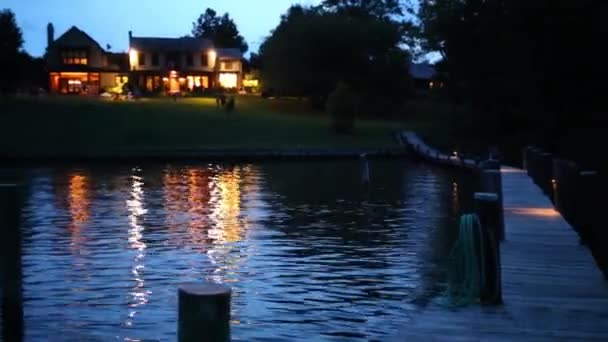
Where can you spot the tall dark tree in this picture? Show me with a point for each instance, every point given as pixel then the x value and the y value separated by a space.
pixel 528 68
pixel 220 29
pixel 11 42
pixel 313 49
pixel 376 8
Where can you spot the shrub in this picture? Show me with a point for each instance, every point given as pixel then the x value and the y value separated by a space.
pixel 230 104
pixel 342 107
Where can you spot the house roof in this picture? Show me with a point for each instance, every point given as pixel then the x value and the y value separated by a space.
pixel 231 53
pixel 77 38
pixel 422 71
pixel 170 44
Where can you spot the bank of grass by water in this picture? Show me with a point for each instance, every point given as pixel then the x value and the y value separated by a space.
pixel 69 126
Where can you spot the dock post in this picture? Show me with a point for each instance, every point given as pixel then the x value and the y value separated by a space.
pixel 545 173
pixel 203 312
pixel 586 207
pixel 565 177
pixel 491 182
pixel 365 178
pixel 11 296
pixel 487 209
pixel 524 159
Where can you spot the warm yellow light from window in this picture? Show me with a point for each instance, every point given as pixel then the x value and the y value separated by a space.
pixel 212 57
pixel 251 83
pixel 132 58
pixel 228 80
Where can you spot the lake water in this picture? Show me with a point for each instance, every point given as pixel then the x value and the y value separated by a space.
pixel 310 253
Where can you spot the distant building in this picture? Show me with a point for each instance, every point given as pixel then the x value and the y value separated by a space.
pixel 424 77
pixel 77 64
pixel 182 65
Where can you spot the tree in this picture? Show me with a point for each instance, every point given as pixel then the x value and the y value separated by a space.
pixel 313 49
pixel 220 29
pixel 11 42
pixel 375 8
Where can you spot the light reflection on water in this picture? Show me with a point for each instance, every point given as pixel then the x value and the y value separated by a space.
pixel 310 253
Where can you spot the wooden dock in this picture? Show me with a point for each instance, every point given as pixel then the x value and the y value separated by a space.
pixel 552 289
pixel 421 149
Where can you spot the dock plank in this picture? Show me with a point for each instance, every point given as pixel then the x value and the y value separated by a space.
pixel 552 289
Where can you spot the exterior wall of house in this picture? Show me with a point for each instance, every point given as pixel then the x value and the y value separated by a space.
pixel 107 79
pixel 182 62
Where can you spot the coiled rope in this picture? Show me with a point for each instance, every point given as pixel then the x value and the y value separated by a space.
pixel 467 264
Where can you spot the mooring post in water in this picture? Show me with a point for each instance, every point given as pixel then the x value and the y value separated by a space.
pixel 487 209
pixel 491 182
pixel 365 178
pixel 10 263
pixel 204 312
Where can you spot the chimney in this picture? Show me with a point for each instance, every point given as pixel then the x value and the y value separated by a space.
pixel 50 34
pixel 130 34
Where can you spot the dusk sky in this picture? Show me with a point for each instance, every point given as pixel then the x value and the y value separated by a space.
pixel 109 22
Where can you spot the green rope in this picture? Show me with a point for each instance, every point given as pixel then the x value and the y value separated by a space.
pixel 467 264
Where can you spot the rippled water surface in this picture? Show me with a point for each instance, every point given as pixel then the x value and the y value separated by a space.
pixel 310 253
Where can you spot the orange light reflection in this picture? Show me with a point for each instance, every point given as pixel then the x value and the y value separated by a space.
pixel 540 212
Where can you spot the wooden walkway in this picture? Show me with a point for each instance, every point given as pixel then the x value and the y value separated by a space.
pixel 420 148
pixel 552 289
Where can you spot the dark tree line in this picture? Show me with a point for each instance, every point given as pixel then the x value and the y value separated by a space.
pixel 531 68
pixel 358 43
pixel 17 67
pixel 220 29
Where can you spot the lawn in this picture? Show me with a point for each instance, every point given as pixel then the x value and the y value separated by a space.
pixel 65 126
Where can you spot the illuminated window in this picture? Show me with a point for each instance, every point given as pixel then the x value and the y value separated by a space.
pixel 228 80
pixel 205 82
pixel 157 83
pixel 149 84
pixel 74 57
pixel 251 83
pixel 227 65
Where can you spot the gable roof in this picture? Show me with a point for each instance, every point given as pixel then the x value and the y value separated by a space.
pixel 170 44
pixel 75 37
pixel 423 71
pixel 230 53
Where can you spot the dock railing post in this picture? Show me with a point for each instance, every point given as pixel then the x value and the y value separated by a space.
pixel 545 173
pixel 487 209
pixel 491 182
pixel 11 296
pixel 565 178
pixel 203 312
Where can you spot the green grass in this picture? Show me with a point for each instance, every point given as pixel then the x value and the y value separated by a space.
pixel 69 125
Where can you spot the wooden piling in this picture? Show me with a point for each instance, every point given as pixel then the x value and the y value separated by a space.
pixel 204 312
pixel 585 211
pixel 545 173
pixel 10 263
pixel 365 177
pixel 487 209
pixel 565 175
pixel 491 182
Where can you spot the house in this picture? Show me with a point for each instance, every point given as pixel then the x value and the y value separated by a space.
pixel 77 64
pixel 184 64
pixel 424 77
